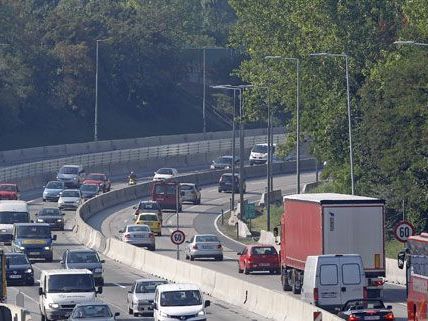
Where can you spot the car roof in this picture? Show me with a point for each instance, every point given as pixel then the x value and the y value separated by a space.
pixel 148 213
pixel 66 271
pixel 135 225
pixel 71 189
pixel 153 202
pixel 15 206
pixel 82 250
pixel 177 287
pixel 96 174
pixel 260 245
pixel 13 184
pixel 229 174
pixel 31 224
pixel 92 303
pixel 189 184
pixel 149 280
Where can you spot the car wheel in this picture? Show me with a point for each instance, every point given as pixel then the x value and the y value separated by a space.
pixel 130 311
pixel 42 317
pixel 30 282
pixel 186 257
pixel 239 269
pixel 152 248
pixel 191 258
pixel 195 202
pixel 246 270
pixel 136 315
pixel 49 259
pixel 219 190
pixel 219 258
pixel 160 233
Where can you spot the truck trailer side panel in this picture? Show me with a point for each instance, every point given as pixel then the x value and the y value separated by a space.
pixel 356 229
pixel 302 225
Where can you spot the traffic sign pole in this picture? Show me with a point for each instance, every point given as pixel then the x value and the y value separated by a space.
pixel 177 200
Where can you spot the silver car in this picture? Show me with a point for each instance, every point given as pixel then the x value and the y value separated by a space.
pixel 204 246
pixel 139 235
pixel 92 311
pixel 190 193
pixel 52 190
pixel 140 297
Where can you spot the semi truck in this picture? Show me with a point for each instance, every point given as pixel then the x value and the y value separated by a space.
pixel 329 223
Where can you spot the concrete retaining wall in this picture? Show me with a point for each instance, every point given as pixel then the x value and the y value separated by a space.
pixel 269 303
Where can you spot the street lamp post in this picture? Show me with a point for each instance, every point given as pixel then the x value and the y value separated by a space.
pixel 296 60
pixel 96 92
pixel 343 55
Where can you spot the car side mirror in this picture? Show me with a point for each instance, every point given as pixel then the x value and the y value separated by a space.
pixel 63 213
pixel 239 253
pixel 100 290
pixel 389 307
pixel 31 221
pixel 54 237
pixel 187 241
pixel 41 291
pixel 207 303
pixel 61 262
pixel 102 261
pixel 117 314
pixel 121 231
pixel 134 207
pixel 154 306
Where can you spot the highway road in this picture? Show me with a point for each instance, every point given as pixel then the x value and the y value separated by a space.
pixel 201 219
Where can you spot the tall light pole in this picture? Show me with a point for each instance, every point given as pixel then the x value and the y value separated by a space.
pixel 351 160
pixel 96 92
pixel 296 60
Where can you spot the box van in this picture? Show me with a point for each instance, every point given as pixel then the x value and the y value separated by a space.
pixel 331 280
pixel 259 153
pixel 12 212
pixel 181 301
pixel 61 290
pixel 164 193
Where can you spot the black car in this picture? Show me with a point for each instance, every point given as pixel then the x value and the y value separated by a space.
pixel 225 183
pixel 366 309
pixel 89 190
pixel 18 269
pixel 52 216
pixel 224 162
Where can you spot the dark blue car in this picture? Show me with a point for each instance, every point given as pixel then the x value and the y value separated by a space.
pixel 18 269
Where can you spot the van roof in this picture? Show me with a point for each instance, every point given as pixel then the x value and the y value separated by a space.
pixel 333 198
pixel 64 271
pixel 328 256
pixel 13 206
pixel 177 287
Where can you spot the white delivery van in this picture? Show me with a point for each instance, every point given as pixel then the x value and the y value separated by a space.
pixel 61 290
pixel 259 153
pixel 331 280
pixel 179 301
pixel 12 212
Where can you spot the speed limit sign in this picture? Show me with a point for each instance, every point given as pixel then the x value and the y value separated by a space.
pixel 178 237
pixel 403 230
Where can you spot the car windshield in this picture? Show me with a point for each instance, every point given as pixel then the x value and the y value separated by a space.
pixel 88 188
pixel 69 170
pixel 224 160
pixel 70 194
pixel 147 286
pixel 54 185
pixel 180 298
pixel 140 228
pixel 49 212
pixel 58 283
pixel 17 260
pixel 228 178
pixel 82 257
pixel 363 304
pixel 36 231
pixel 167 171
pixel 206 238
pixel 96 177
pixel 148 217
pixel 14 217
pixel 148 206
pixel 92 311
pixel 8 188
pixel 265 250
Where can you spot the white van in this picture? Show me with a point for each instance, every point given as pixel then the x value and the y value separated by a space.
pixel 259 153
pixel 61 290
pixel 179 301
pixel 331 280
pixel 12 212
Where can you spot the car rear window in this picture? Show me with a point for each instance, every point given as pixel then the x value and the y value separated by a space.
pixel 328 274
pixel 206 238
pixel 8 188
pixel 148 206
pixel 351 274
pixel 138 229
pixel 267 250
pixel 148 218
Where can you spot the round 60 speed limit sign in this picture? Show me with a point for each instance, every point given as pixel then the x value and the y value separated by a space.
pixel 178 237
pixel 403 230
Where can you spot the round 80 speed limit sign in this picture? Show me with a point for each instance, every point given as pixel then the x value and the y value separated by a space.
pixel 403 230
pixel 178 237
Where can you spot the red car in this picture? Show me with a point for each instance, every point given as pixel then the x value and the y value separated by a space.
pixel 9 191
pixel 98 179
pixel 258 257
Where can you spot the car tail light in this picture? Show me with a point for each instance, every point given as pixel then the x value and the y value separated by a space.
pixel 127 236
pixel 353 317
pixel 378 283
pixel 195 247
pixel 316 297
pixel 389 316
pixel 365 293
pixel 219 246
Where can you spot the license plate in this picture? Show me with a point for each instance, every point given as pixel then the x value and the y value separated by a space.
pixel 34 253
pixel 15 276
pixel 207 247
pixel 264 264
pixel 372 317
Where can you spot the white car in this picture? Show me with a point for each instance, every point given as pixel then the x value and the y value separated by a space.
pixel 69 199
pixel 259 153
pixel 190 193
pixel 204 246
pixel 165 173
pixel 178 302
pixel 139 235
pixel 141 296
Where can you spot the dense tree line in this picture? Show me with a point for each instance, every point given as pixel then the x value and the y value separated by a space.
pixel 388 85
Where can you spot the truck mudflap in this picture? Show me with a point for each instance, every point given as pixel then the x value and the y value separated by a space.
pixel 375 288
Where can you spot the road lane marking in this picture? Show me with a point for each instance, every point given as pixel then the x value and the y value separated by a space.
pixel 120 286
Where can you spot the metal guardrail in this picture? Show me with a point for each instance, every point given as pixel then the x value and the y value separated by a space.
pixel 11 173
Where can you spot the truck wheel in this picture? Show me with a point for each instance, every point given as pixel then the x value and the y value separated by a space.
pixel 296 283
pixel 284 280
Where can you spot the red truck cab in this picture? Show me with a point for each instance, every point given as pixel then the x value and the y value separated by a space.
pixel 9 191
pixel 167 194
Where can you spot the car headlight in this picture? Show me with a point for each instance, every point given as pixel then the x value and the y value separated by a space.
pixel 22 248
pixel 47 248
pixel 163 314
pixel 212 167
pixel 54 305
pixel 59 220
pixel 39 220
pixel 29 271
pixel 202 312
pixel 60 201
pixel 74 178
pixel 227 167
pixel 98 270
